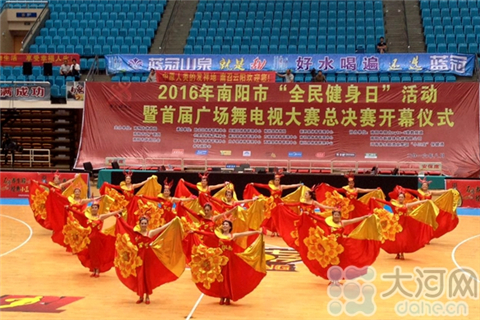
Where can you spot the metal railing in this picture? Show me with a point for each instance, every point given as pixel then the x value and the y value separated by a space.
pixel 30 156
pixel 93 71
pixel 35 29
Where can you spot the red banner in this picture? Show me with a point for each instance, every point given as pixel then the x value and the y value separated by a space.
pixel 469 189
pixel 216 76
pixel 15 184
pixel 424 123
pixel 37 59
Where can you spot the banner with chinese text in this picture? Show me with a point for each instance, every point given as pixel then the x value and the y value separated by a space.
pixel 37 59
pixel 416 122
pixel 24 90
pixel 459 64
pixel 469 189
pixel 15 184
pixel 216 76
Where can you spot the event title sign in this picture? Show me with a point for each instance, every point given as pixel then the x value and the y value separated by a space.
pixel 387 122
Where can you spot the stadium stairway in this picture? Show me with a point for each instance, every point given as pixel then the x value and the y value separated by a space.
pixel 416 39
pixel 395 26
pixel 174 28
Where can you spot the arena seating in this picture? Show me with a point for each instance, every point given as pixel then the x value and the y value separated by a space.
pixel 261 27
pixel 451 26
pixel 96 28
pixel 20 5
pixel 91 28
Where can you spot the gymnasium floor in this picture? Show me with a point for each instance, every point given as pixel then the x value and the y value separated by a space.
pixel 39 280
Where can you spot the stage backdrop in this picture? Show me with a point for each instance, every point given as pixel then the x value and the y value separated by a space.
pixel 420 122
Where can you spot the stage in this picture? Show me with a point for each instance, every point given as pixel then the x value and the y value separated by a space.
pixel 386 182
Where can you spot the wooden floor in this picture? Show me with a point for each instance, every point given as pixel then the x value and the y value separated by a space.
pixel 42 268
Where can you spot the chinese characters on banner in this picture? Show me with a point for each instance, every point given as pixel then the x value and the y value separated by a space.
pixel 37 59
pixel 459 64
pixel 25 91
pixel 469 189
pixel 16 184
pixel 215 76
pixel 385 122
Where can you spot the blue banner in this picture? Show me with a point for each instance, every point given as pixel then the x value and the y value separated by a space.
pixel 459 64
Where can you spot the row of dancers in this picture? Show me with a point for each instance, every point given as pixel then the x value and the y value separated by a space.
pixel 156 235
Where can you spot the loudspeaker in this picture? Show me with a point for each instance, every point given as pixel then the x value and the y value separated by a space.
pixel 115 165
pixel 87 166
pixel 27 68
pixel 47 69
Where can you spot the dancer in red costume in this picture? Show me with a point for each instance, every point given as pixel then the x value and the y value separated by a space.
pixel 165 214
pixel 350 191
pixel 125 192
pixel 276 190
pixel 417 226
pixel 447 201
pixel 83 233
pixel 77 199
pixel 60 186
pixel 324 243
pixel 423 193
pixel 205 219
pixel 228 202
pixel 168 201
pixel 57 215
pixel 128 187
pixel 287 218
pixel 146 259
pixel 39 194
pixel 201 187
pixel 223 269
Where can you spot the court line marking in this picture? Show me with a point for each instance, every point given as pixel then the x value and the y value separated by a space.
pixel 455 249
pixel 22 244
pixel 195 307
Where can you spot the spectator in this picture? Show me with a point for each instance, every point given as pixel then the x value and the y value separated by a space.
pixel 65 69
pixel 382 46
pixel 289 77
pixel 75 69
pixel 151 76
pixel 319 77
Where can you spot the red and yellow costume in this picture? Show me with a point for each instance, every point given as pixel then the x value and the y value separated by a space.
pixel 350 207
pixel 223 269
pixel 417 227
pixel 181 191
pixel 143 263
pixel 124 193
pixel 95 248
pixel 447 218
pixel 55 208
pixel 38 197
pixel 323 244
pixel 272 201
